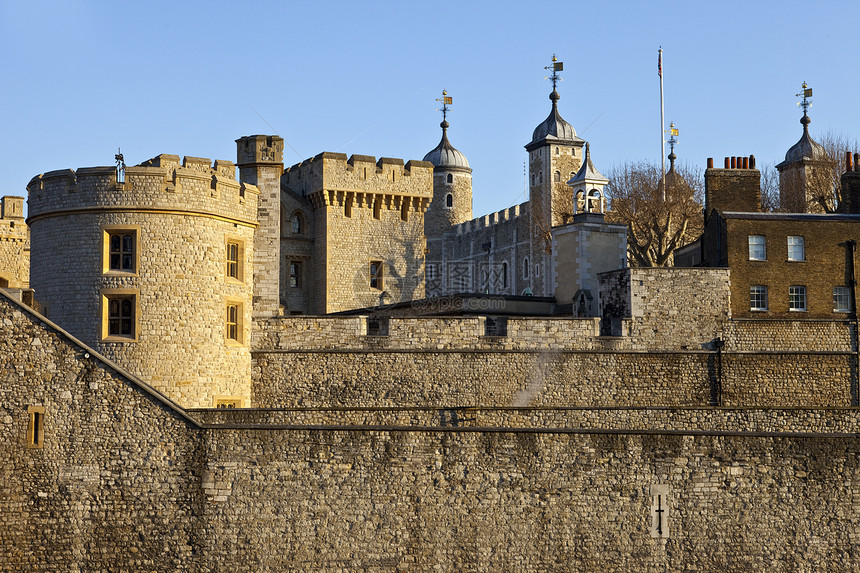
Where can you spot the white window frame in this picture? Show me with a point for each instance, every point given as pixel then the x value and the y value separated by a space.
pixel 758 293
pixel 797 298
pixel 757 248
pixel 841 299
pixel 796 248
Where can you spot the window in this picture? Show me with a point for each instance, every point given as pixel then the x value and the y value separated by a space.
pixel 450 178
pixel 449 201
pixel 556 176
pixel 227 401
pixel 234 322
pixel 556 151
pixel 376 274
pixel 295 275
pixel 234 256
pixel 841 299
pixel 233 260
pixel 120 250
pixel 36 427
pixel 758 250
pixel 796 251
pixel 797 298
pixel 377 208
pixel 296 224
pixel 119 311
pixel 404 209
pixel 758 297
pixel 526 268
pixel 504 275
pixel 347 207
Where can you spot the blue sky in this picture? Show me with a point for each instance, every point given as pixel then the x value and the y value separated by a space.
pixel 83 78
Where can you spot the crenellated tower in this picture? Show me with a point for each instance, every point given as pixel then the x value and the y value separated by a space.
pixel 151 265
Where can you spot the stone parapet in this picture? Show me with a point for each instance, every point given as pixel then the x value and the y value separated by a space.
pixel 360 174
pixel 317 333
pixel 159 184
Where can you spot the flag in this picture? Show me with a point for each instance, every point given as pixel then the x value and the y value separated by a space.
pixel 660 63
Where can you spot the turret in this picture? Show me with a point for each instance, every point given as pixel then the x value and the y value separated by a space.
pixel 452 183
pixel 261 163
pixel 803 175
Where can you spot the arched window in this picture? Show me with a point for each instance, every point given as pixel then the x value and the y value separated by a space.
pixel 449 200
pixel 556 176
pixel 450 178
pixel 296 224
pixel 557 151
pixel 526 268
pixel 540 177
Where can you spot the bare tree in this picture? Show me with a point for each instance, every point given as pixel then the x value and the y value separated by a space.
pixel 769 189
pixel 655 228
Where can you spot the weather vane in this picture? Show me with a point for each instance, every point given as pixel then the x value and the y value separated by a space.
pixel 445 100
pixel 555 67
pixel 806 94
pixel 673 135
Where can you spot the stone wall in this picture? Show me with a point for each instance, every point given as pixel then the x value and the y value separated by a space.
pixel 115 486
pixel 668 308
pixel 127 481
pixel 489 254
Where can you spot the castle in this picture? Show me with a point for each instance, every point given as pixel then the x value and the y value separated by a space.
pixel 259 373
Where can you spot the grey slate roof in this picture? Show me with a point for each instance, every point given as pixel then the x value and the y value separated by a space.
pixel 806 147
pixel 587 172
pixel 444 154
pixel 554 127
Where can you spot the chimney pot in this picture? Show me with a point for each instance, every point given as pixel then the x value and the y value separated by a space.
pixel 710 162
pixel 857 162
pixel 746 162
pixel 726 163
pixel 734 162
pixel 752 161
pixel 849 166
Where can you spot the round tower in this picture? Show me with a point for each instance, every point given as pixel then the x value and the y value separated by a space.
pixel 152 267
pixel 452 183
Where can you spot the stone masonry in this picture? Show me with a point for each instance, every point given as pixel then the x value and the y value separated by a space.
pixel 124 480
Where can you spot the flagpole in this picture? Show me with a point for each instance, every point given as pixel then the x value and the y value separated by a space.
pixel 662 123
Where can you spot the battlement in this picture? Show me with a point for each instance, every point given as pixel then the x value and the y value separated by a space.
pixel 162 183
pixel 329 171
pixel 497 218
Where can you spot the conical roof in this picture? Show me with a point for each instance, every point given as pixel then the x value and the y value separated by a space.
pixel 554 127
pixel 587 172
pixel 444 154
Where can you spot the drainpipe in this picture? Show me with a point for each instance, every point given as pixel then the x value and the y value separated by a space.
pixel 850 247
